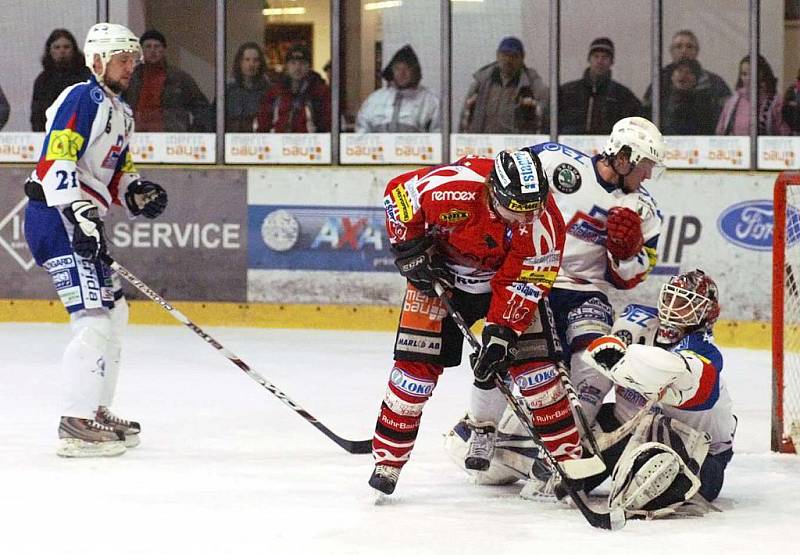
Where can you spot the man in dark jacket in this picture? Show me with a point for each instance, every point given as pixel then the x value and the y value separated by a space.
pixel 165 98
pixel 300 101
pixel 506 96
pixel 592 105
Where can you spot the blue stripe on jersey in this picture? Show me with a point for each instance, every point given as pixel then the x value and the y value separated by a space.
pixel 81 103
pixel 700 343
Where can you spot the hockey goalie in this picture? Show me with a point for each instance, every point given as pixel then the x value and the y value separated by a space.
pixel 668 436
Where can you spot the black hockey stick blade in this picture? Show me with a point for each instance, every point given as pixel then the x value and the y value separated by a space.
pixel 355 447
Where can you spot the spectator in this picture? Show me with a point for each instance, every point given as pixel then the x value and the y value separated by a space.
pixel 735 118
pixel 686 109
pixel 300 101
pixel 685 45
pixel 403 106
pixel 791 107
pixel 243 95
pixel 5 109
pixel 593 105
pixel 326 69
pixel 165 98
pixel 64 65
pixel 506 96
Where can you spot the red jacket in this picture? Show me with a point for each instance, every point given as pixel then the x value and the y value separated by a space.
pixel 306 111
pixel 517 264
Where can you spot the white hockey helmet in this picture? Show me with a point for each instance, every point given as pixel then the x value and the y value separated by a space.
pixel 641 136
pixel 107 39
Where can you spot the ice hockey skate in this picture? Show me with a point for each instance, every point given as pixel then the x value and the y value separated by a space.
pixel 130 428
pixel 481 446
pixel 83 437
pixel 384 479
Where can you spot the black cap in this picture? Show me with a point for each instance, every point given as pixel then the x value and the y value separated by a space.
pixel 300 52
pixel 152 34
pixel 407 55
pixel 603 44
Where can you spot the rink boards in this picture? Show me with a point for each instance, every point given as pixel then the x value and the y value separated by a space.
pixel 306 247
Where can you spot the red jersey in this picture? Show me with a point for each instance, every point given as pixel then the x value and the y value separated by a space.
pixel 517 264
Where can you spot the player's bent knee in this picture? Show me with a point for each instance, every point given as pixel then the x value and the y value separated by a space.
pixel 92 327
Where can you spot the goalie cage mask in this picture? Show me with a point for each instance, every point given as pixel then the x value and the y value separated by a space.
pixel 688 302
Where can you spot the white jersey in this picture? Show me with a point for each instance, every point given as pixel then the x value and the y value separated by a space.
pixel 710 409
pixel 85 153
pixel 584 199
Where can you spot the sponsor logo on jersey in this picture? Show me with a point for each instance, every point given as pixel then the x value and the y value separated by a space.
pixel 535 378
pixel 454 216
pixel 61 279
pixel 541 277
pixel 404 210
pixel 625 336
pixel 548 259
pixel 64 144
pixel 750 224
pixel 567 178
pixel 454 195
pixel 400 406
pixel 633 397
pixel 415 387
pixel 70 296
pixel 128 166
pixel 97 95
pixel 400 426
pixel 59 262
pixel 112 156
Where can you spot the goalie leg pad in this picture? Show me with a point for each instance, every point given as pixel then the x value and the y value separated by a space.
pixel 651 481
pixel 658 470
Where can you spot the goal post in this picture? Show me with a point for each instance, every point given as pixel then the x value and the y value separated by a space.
pixel 786 314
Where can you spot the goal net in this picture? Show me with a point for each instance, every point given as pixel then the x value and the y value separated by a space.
pixel 786 314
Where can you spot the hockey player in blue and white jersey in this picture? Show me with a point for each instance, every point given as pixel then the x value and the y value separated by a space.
pixel 666 354
pixel 613 226
pixel 85 167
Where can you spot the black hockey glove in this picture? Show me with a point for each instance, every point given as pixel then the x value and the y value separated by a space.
pixel 87 235
pixel 420 264
pixel 494 358
pixel 146 198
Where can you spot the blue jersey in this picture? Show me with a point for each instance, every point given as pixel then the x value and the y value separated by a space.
pixel 710 409
pixel 85 153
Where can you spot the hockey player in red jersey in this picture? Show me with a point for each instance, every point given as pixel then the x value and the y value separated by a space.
pixel 491 232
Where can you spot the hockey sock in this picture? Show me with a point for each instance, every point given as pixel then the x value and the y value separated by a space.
pixel 550 410
pixel 410 386
pixel 83 364
pixel 113 351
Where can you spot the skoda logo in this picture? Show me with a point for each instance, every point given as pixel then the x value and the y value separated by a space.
pixel 750 224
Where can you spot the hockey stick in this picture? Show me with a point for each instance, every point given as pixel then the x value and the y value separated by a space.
pixel 613 520
pixel 577 409
pixel 355 447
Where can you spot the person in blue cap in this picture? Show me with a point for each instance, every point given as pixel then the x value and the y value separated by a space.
pixel 506 96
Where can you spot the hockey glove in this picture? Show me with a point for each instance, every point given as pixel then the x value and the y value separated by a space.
pixel 87 235
pixel 605 352
pixel 494 358
pixel 625 237
pixel 421 265
pixel 146 198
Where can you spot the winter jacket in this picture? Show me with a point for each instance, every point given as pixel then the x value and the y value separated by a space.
pixel 390 110
pixel 308 110
pixel 5 109
pixel 46 88
pixel 510 116
pixel 241 105
pixel 712 85
pixel 185 108
pixel 791 108
pixel 593 107
pixel 735 117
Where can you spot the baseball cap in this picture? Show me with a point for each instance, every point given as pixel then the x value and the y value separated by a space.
pixel 511 45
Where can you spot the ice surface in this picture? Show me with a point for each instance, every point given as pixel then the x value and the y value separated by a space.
pixel 225 468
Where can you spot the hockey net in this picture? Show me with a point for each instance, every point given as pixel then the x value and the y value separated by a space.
pixel 786 314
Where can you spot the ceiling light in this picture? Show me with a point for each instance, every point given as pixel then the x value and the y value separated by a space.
pixel 382 5
pixel 283 11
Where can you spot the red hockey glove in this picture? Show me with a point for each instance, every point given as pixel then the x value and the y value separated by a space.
pixel 625 237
